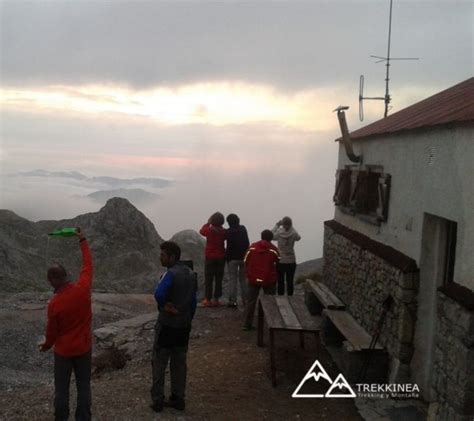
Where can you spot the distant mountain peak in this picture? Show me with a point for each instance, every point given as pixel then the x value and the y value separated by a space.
pixel 119 202
pixel 136 196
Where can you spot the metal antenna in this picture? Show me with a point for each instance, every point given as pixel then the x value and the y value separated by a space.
pixel 387 98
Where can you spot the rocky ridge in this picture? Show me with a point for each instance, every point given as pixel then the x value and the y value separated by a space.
pixel 124 243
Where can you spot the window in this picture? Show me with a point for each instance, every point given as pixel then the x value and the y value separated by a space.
pixel 364 193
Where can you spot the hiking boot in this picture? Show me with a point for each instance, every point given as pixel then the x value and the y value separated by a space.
pixel 175 403
pixel 157 406
pixel 206 303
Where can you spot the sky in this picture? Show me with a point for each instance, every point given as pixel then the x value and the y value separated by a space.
pixel 231 101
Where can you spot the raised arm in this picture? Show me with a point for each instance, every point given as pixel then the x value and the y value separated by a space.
pixel 204 231
pixel 275 230
pixel 297 236
pixel 85 278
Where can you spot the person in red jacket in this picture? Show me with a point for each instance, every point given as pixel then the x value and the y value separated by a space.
pixel 214 258
pixel 69 332
pixel 261 266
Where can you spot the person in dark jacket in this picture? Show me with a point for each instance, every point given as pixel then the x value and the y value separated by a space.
pixel 214 259
pixel 261 266
pixel 69 332
pixel 237 244
pixel 176 299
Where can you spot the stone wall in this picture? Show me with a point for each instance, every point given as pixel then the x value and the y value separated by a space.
pixel 363 273
pixel 453 374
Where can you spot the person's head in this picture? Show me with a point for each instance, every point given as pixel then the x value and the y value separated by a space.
pixel 266 235
pixel 170 253
pixel 233 220
pixel 217 219
pixel 287 223
pixel 57 276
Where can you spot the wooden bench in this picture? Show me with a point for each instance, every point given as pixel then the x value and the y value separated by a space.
pixel 318 297
pixel 283 313
pixel 340 324
pixel 356 350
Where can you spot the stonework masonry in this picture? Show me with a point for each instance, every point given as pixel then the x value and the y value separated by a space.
pixel 363 280
pixel 453 374
pixel 362 277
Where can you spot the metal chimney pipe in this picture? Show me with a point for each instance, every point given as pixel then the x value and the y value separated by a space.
pixel 341 116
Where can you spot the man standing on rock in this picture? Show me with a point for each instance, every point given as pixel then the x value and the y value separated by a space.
pixel 69 331
pixel 176 298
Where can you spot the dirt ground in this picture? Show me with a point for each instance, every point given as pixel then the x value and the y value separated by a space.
pixel 228 375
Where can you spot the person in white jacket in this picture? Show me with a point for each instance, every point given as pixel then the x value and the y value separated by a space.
pixel 286 235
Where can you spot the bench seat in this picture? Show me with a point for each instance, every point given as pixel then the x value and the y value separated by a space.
pixel 348 328
pixel 319 297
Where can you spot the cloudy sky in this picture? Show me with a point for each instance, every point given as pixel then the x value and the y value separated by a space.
pixel 231 100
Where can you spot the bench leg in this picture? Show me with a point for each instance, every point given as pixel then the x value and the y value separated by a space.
pixel 272 357
pixel 302 340
pixel 260 325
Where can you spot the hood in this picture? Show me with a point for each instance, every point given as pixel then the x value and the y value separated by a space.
pixel 262 246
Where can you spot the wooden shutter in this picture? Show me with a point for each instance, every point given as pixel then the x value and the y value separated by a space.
pixel 361 193
pixel 343 188
pixel 372 191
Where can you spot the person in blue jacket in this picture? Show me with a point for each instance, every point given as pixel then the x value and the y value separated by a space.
pixel 176 299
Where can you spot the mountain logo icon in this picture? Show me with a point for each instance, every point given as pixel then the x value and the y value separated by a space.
pixel 319 375
pixel 339 388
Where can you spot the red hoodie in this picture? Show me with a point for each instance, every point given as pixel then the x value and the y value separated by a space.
pixel 70 313
pixel 215 241
pixel 260 263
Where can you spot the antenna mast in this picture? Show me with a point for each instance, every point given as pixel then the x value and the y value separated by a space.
pixel 387 64
pixel 387 98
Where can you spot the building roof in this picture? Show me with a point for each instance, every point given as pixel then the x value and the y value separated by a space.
pixel 453 105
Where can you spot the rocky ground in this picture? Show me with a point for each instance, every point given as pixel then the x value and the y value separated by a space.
pixel 228 375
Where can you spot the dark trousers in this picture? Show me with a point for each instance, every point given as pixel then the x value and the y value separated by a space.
pixel 63 367
pixel 253 292
pixel 171 345
pixel 286 273
pixel 214 271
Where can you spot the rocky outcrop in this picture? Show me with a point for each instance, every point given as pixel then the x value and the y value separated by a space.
pixel 309 267
pixel 192 248
pixel 124 243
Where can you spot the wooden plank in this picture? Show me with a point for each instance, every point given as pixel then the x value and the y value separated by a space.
pixel 321 294
pixel 271 312
pixel 287 313
pixel 325 295
pixel 350 329
pixel 307 321
pixel 336 302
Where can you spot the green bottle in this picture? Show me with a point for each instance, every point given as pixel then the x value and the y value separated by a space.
pixel 64 232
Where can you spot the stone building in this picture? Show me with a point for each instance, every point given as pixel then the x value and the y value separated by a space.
pixel 404 227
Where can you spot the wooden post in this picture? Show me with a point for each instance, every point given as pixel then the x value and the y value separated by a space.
pixel 260 325
pixel 272 357
pixel 302 340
